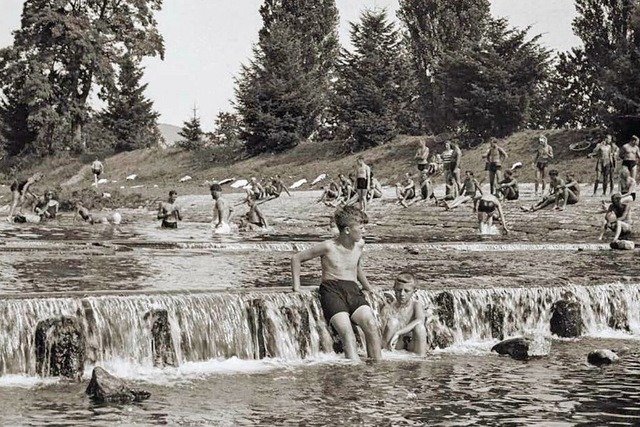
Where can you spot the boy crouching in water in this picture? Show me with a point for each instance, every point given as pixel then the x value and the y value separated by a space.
pixel 404 319
pixel 341 298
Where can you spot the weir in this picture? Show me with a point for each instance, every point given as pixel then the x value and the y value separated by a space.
pixel 256 324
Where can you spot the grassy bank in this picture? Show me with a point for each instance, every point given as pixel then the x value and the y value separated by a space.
pixel 159 169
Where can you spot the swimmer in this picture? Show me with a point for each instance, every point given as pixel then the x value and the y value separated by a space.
pixel 406 191
pixel 331 194
pixel 169 212
pixel 568 194
pixel 48 207
pixel 276 188
pixel 426 186
pixel 422 155
pixel 96 168
pixel 451 157
pixel 341 298
pixel 630 154
pixel 254 218
pixel 555 186
pixel 376 189
pixel 82 212
pixel 363 182
pixel 605 165
pixel 404 327
pixel 495 156
pixel 255 189
pixel 617 218
pixel 489 208
pixel 544 154
pixel 20 190
pixel 627 186
pixel 222 210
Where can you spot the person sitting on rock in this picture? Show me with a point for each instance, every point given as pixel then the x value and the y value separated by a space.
pixel 347 190
pixel 376 189
pixel 276 187
pixel 255 189
pixel 555 186
pixel 568 193
pixel 83 212
pixel 627 186
pixel 508 187
pixel 470 187
pixel 426 186
pixel 406 191
pixel 330 194
pixel 404 319
pixel 47 208
pixel 617 218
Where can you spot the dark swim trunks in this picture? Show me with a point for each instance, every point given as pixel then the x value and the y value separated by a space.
pixel 337 296
pixel 629 164
pixel 361 183
pixel 541 165
pixel 486 206
pixel 97 172
pixel 422 166
pixel 493 166
pixel 168 224
pixel 18 186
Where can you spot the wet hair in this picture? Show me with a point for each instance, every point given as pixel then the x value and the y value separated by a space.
pixel 405 277
pixel 215 187
pixel 173 193
pixel 349 215
pixel 553 172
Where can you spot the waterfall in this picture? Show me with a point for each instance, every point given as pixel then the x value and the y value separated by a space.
pixel 255 325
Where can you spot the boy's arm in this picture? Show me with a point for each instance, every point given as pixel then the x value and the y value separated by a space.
pixel 362 278
pixel 161 213
pixel 550 152
pixel 504 153
pixel 177 211
pixel 284 187
pixel 300 257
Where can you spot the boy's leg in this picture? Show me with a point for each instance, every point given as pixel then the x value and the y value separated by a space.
pixel 342 324
pixel 419 340
pixel 363 317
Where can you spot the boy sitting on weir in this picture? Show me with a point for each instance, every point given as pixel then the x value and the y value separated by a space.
pixel 341 298
pixel 404 319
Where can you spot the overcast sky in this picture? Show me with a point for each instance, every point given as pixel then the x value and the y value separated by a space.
pixel 207 40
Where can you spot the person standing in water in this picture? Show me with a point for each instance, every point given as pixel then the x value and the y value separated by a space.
pixel 544 154
pixel 222 210
pixel 489 207
pixel 96 168
pixel 341 298
pixel 169 212
pixel 19 191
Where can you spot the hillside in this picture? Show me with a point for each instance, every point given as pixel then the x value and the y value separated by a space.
pixel 159 169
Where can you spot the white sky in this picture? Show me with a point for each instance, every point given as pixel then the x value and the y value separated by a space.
pixel 206 41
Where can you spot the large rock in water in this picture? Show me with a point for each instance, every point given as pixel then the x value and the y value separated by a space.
pixel 105 388
pixel 566 318
pixel 523 348
pixel 60 347
pixel 602 357
pixel 164 353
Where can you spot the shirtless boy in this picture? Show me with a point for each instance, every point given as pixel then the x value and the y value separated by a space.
pixel 489 207
pixel 404 327
pixel 254 218
pixel 422 155
pixel 508 188
pixel 605 165
pixel 341 298
pixel 221 209
pixel 544 154
pixel 627 186
pixel 617 218
pixel 19 192
pixel 426 186
pixel 83 212
pixel 169 212
pixel 48 207
pixel 568 193
pixel 470 187
pixel 276 188
pixel 255 189
pixel 406 191
pixel 363 182
pixel 96 168
pixel 495 156
pixel 555 185
pixel 630 154
pixel 331 194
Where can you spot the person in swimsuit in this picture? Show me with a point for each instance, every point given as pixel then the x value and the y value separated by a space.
pixel 422 155
pixel 489 207
pixel 568 193
pixel 406 191
pixel 169 211
pixel 376 189
pixel 495 156
pixel 426 186
pixel 627 186
pixel 48 207
pixel 19 192
pixel 470 187
pixel 222 210
pixel 255 189
pixel 404 319
pixel 363 182
pixel 451 157
pixel 96 168
pixel 331 194
pixel 555 186
pixel 82 212
pixel 276 188
pixel 341 299
pixel 508 187
pixel 605 164
pixel 348 193
pixel 630 154
pixel 254 218
pixel 544 154
pixel 617 218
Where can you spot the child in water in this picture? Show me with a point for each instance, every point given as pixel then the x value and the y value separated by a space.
pixel 404 327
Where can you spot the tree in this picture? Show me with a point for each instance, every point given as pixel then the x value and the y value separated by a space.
pixel 490 86
pixel 192 133
pixel 63 49
pixel 227 129
pixel 129 115
pixel 437 28
pixel 371 89
pixel 283 91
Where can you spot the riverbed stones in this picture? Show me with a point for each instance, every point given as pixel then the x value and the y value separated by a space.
pixel 566 318
pixel 517 348
pixel 60 347
pixel 602 357
pixel 106 388
pixel 164 353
